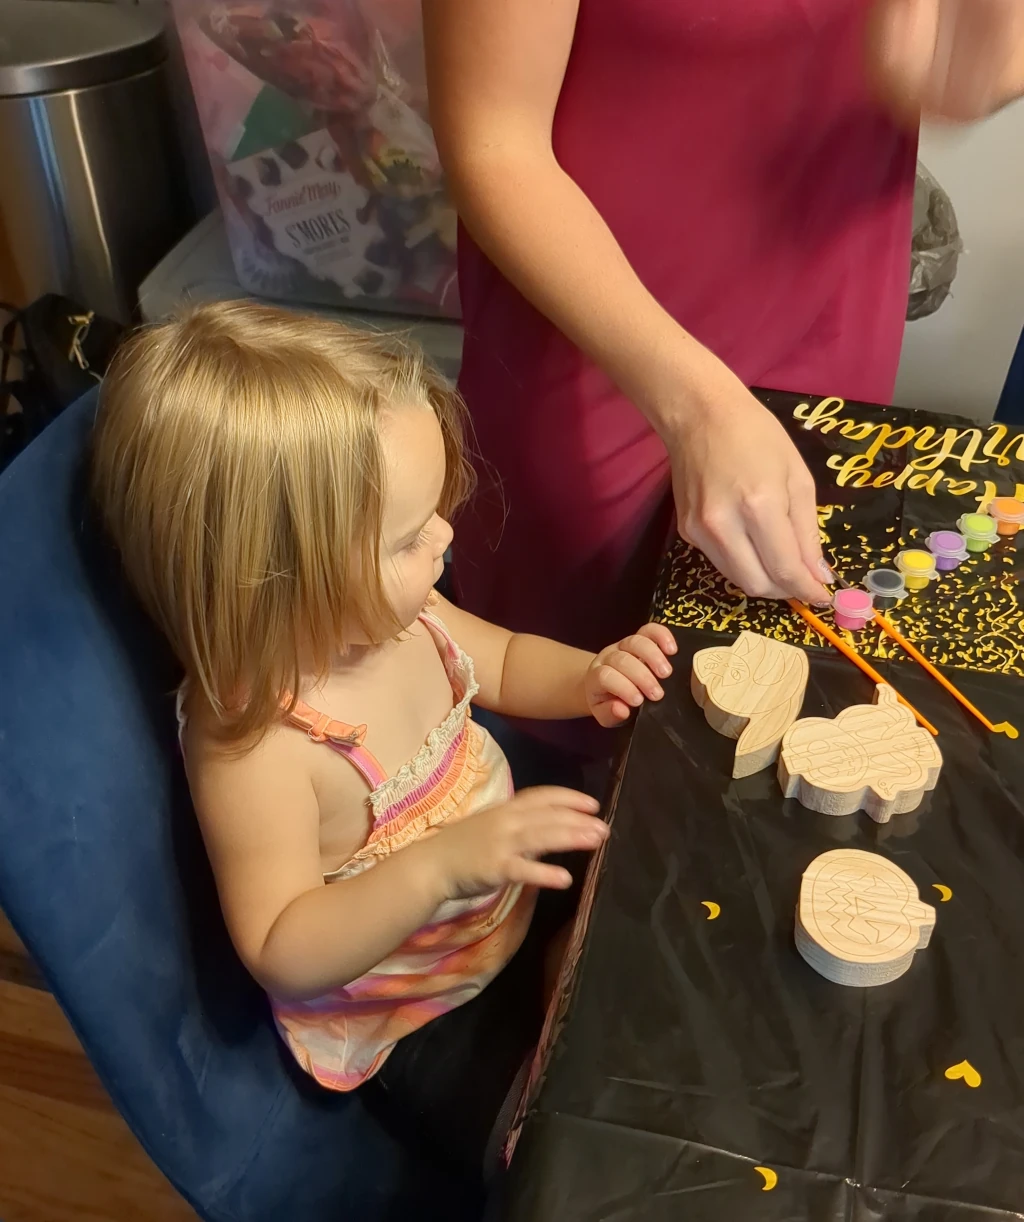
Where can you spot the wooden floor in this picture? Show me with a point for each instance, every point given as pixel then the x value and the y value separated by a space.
pixel 65 1154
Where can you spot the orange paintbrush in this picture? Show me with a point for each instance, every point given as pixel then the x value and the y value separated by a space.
pixel 835 639
pixel 890 630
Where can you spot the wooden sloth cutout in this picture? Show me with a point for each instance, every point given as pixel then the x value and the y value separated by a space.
pixel 752 691
pixel 871 757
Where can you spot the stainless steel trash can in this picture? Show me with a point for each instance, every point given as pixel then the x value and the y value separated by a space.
pixel 93 182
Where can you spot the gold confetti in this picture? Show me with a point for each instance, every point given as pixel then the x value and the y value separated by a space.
pixel 966 1071
pixel 769 1176
pixel 971 618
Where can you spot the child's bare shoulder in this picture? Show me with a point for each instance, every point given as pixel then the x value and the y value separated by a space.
pixel 274 787
pixel 219 769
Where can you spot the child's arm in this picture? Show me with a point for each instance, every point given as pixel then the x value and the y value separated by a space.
pixel 531 676
pixel 300 937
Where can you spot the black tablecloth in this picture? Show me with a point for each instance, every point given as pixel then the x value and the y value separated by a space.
pixel 694 1051
pixel 944 467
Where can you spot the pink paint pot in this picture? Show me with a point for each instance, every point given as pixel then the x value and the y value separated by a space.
pixel 852 609
pixel 948 547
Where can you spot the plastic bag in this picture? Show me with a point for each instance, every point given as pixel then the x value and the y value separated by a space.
pixel 936 247
pixel 314 116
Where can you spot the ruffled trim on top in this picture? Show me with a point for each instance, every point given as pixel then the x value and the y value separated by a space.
pixel 399 795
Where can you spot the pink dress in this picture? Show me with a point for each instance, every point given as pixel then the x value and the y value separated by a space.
pixel 764 199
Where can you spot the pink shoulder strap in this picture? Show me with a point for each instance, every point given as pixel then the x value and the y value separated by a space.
pixel 345 739
pixel 438 626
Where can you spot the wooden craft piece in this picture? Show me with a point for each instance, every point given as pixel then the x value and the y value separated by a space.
pixel 752 691
pixel 860 920
pixel 872 757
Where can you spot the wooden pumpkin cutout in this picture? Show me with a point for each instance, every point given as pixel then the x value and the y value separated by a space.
pixel 752 691
pixel 872 757
pixel 860 920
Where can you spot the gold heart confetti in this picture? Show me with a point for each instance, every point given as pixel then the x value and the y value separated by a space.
pixel 966 1071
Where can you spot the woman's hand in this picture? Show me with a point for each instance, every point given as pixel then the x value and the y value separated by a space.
pixel 745 497
pixel 622 676
pixel 501 845
pixel 951 60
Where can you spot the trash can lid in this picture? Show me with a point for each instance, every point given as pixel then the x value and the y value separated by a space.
pixel 47 46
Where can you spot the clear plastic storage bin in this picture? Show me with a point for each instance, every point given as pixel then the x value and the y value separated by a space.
pixel 314 115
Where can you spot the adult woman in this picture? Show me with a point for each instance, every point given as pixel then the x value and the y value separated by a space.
pixel 667 201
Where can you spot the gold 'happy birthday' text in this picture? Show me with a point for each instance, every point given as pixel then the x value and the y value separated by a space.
pixel 935 448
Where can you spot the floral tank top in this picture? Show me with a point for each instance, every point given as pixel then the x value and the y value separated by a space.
pixel 344 1037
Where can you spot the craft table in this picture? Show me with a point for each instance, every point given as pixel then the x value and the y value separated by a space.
pixel 696 1068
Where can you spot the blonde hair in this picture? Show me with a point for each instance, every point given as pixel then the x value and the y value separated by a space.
pixel 239 468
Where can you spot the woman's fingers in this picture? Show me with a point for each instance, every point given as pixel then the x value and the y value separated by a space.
pixel 977 42
pixel 731 551
pixel 760 550
pixel 803 514
pixel 744 496
pixel 951 59
pixel 773 534
pixel 907 31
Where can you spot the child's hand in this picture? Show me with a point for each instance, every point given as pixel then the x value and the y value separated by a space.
pixel 501 845
pixel 621 676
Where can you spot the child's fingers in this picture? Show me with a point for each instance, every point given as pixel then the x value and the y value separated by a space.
pixel 539 874
pixel 562 833
pixel 649 652
pixel 661 636
pixel 614 683
pixel 610 713
pixel 558 797
pixel 636 672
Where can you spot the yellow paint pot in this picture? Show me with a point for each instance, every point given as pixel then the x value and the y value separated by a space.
pixel 1008 513
pixel 917 567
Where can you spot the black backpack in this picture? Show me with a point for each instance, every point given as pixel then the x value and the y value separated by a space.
pixel 51 353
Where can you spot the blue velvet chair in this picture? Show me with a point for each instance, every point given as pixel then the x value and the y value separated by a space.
pixel 103 874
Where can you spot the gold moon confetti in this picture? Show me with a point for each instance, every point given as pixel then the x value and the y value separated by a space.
pixel 944 891
pixel 769 1177
pixel 713 909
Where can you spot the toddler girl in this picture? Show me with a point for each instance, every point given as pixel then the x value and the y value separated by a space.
pixel 279 488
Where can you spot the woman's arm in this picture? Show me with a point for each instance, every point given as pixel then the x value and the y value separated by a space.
pixel 495 70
